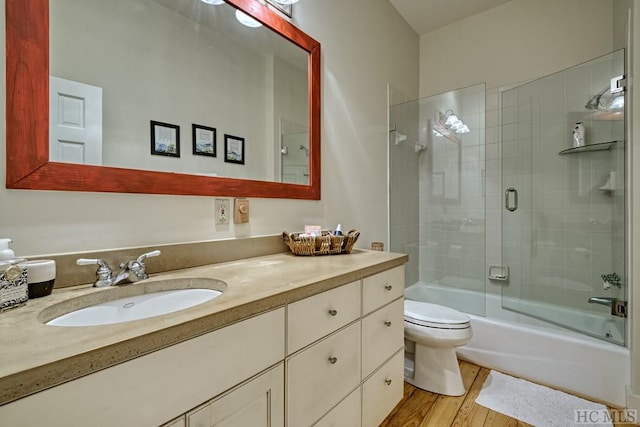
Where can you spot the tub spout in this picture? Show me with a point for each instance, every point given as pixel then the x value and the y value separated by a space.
pixel 602 301
pixel 618 308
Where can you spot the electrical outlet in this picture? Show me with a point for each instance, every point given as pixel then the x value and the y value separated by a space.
pixel 222 211
pixel 241 211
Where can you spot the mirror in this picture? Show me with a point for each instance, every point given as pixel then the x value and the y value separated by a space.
pixel 247 163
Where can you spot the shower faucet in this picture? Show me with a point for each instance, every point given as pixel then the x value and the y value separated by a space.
pixel 611 279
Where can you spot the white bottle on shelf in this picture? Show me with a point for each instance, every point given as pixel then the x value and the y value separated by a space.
pixel 578 135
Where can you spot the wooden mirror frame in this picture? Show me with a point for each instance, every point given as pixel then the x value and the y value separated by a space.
pixel 27 120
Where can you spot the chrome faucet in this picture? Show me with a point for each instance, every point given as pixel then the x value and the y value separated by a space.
pixel 130 271
pixel 602 301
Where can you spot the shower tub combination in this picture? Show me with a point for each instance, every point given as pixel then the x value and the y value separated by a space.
pixel 541 353
pixel 567 231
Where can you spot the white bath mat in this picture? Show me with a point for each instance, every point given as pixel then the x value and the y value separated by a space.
pixel 538 405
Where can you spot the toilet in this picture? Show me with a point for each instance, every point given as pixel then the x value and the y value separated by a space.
pixel 432 332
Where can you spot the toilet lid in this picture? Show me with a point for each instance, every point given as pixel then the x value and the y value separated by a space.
pixel 427 314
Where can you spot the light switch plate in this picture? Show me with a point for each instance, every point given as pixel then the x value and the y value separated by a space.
pixel 223 210
pixel 240 211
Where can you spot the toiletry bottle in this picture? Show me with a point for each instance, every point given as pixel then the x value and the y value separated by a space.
pixel 338 231
pixel 578 135
pixel 5 251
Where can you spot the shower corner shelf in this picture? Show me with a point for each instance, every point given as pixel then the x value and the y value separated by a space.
pixel 600 146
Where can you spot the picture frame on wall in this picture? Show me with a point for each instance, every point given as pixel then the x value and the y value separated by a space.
pixel 233 149
pixel 204 140
pixel 286 9
pixel 165 139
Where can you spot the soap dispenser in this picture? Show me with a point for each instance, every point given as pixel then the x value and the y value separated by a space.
pixel 13 278
pixel 5 251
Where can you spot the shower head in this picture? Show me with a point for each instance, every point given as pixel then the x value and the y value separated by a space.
pixel 595 102
pixel 305 149
pixel 417 147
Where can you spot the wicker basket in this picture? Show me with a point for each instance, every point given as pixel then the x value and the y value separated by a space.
pixel 325 244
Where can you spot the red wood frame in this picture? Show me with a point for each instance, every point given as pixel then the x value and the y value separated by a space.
pixel 27 120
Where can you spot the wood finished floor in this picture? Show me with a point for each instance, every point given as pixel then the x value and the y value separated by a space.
pixel 419 408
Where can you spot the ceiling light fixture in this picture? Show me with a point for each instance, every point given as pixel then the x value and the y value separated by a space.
pixel 245 19
pixel 213 2
pixel 452 122
pixel 285 2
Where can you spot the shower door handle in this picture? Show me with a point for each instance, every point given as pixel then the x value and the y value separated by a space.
pixel 507 199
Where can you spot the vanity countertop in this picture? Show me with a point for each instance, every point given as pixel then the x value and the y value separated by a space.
pixel 35 356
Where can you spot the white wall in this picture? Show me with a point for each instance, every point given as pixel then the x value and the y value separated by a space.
pixel 365 45
pixel 514 42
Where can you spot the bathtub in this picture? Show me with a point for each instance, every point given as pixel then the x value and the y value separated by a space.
pixel 528 348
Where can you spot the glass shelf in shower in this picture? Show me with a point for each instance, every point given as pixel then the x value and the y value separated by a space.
pixel 600 146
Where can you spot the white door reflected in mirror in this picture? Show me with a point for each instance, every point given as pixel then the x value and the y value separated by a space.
pixel 75 122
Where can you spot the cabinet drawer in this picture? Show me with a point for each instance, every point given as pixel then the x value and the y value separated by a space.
pixel 312 318
pixel 382 288
pixel 382 335
pixel 383 391
pixel 322 375
pixel 346 414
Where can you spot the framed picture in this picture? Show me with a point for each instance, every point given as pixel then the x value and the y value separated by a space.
pixel 283 8
pixel 204 140
pixel 233 149
pixel 165 139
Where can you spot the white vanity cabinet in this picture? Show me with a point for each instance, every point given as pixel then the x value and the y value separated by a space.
pixel 333 359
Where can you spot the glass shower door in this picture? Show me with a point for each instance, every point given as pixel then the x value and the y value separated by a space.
pixel 437 200
pixel 563 221
pixel 294 153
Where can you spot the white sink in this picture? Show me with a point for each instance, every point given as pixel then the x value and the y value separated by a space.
pixel 135 307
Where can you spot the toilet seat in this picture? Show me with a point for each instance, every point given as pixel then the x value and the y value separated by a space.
pixel 434 316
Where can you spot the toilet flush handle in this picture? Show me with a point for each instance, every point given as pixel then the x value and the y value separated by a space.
pixel 388 287
pixel 387 323
pixel 333 312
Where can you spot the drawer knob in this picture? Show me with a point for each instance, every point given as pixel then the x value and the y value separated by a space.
pixel 333 312
pixel 387 323
pixel 388 287
pixel 333 360
pixel 388 381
